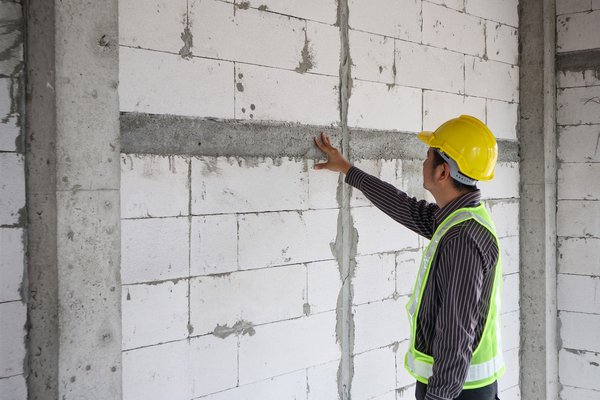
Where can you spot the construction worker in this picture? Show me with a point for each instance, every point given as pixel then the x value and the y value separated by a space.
pixel 454 350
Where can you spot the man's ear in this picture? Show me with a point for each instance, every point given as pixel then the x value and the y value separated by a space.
pixel 445 172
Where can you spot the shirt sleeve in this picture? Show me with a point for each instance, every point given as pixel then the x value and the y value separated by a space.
pixel 459 279
pixel 417 216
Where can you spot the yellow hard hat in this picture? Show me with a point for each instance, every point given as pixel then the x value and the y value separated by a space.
pixel 469 142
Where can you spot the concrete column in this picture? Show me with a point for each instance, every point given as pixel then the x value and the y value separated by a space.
pixel 72 156
pixel 539 352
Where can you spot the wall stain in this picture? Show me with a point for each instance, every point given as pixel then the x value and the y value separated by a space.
pixel 306 63
pixel 186 51
pixel 240 328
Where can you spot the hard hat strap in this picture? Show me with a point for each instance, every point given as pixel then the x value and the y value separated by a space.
pixel 455 172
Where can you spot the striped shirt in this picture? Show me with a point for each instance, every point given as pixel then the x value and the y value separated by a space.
pixel 456 297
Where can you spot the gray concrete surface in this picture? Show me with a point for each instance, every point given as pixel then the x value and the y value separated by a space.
pixel 539 353
pixel 169 135
pixel 72 152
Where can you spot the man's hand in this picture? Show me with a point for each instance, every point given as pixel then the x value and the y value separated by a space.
pixel 336 162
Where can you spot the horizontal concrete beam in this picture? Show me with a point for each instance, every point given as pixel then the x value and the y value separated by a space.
pixel 175 135
pixel 578 60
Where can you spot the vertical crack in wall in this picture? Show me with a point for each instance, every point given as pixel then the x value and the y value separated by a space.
pixel 344 248
pixel 186 37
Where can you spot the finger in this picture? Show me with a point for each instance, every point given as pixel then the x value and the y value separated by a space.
pixel 321 166
pixel 327 140
pixel 320 145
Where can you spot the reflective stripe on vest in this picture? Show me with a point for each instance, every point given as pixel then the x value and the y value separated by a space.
pixel 476 372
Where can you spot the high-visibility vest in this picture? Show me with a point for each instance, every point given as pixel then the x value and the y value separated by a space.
pixel 487 363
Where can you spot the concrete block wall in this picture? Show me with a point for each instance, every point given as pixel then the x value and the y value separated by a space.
pixel 232 283
pixel 578 211
pixel 13 310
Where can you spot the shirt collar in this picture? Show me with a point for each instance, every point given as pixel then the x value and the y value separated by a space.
pixel 471 199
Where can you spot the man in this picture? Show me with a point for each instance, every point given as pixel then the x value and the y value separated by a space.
pixel 454 350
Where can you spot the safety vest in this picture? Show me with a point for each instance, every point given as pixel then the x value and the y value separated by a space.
pixel 487 363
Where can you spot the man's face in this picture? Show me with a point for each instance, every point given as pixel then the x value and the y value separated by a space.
pixel 428 170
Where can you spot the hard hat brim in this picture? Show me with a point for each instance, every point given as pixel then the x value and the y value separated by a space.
pixel 428 138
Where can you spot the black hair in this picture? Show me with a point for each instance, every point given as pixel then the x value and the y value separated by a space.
pixel 461 187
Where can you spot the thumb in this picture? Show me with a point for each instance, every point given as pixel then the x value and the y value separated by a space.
pixel 320 166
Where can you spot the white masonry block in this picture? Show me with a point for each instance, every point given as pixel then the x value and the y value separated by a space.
pixel 213 364
pixel 287 346
pixel 378 233
pixel 571 181
pixel 577 78
pixel 12 263
pixel 573 393
pixel 407 268
pixel 579 218
pixel 406 392
pixel 266 92
pixel 285 387
pixel 160 83
pixel 505 184
pixel 9 130
pixel 398 19
pixel 580 331
pixel 13 388
pixel 511 377
pixel 154 249
pixel 315 10
pixel 502 42
pixel 286 237
pixel 579 256
pixel 156 24
pixel 577 31
pixel 322 186
pixel 578 293
pixel 572 6
pixel 502 118
pixel 579 368
pixel 257 297
pixel 12 189
pixel 13 317
pixel 372 57
pixel 322 381
pixel 222 31
pixel 380 324
pixel 429 67
pixel 213 247
pixel 374 278
pixel 379 106
pixel 595 4
pixel 234 185
pixel 324 285
pixel 175 370
pixel 505 215
pixel 510 293
pixel 154 186
pixel 504 11
pixel 453 30
pixel 374 373
pixel 155 313
pixel 491 79
pixel 157 372
pixel 578 106
pixel 438 107
pixel 510 330
pixel 510 254
pixel 323 48
pixel 579 143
